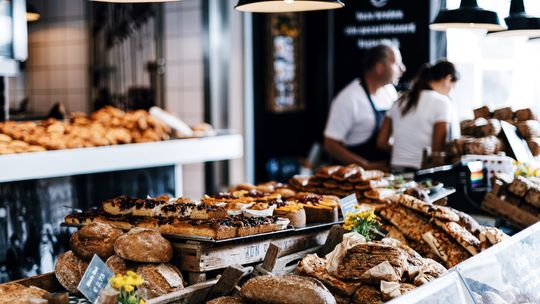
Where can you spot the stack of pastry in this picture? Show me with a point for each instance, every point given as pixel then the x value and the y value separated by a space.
pixel 441 233
pixel 143 251
pixel 342 181
pixel 371 272
pixel 517 200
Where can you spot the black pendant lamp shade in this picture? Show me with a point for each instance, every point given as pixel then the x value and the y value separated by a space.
pixel 281 6
pixel 519 23
pixel 469 16
pixel 31 13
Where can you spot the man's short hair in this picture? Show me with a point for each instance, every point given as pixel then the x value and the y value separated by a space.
pixel 374 55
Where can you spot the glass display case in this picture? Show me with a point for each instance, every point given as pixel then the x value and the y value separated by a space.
pixel 506 273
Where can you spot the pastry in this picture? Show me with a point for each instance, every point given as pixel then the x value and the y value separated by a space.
pixel 326 171
pixel 461 235
pixel 293 211
pixel 440 212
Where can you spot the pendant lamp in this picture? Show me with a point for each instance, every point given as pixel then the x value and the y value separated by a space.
pixel 281 6
pixel 469 16
pixel 134 1
pixel 32 13
pixel 519 23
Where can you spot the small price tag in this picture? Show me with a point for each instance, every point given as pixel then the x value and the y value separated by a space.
pixel 348 204
pixel 95 278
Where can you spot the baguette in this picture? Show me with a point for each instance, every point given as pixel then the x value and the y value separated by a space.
pixel 291 289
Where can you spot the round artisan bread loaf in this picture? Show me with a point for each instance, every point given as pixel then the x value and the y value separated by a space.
pixel 69 270
pixel 96 238
pixel 290 289
pixel 119 265
pixel 159 280
pixel 143 245
pixel 226 300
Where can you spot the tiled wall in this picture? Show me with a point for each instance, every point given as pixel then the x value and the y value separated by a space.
pixel 57 65
pixel 184 86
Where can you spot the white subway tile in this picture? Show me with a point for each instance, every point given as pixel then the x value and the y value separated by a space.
pixel 58 79
pixel 192 48
pixel 193 76
pixel 77 79
pixel 57 55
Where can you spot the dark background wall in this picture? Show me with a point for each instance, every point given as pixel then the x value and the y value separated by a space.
pixel 333 46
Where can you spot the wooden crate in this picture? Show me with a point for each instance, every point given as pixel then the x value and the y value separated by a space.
pixel 510 212
pixel 200 257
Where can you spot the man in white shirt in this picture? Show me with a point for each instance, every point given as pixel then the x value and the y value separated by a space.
pixel 358 110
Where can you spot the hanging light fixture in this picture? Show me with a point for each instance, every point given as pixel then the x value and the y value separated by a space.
pixel 281 6
pixel 469 15
pixel 31 13
pixel 134 1
pixel 519 23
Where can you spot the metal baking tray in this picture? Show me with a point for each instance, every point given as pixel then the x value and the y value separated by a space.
pixel 212 240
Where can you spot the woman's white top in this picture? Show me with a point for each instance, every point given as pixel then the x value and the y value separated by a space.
pixel 414 131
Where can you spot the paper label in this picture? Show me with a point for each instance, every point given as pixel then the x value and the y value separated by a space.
pixel 348 204
pixel 95 278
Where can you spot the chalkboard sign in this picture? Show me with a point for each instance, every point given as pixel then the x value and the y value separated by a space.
pixel 365 23
pixel 95 278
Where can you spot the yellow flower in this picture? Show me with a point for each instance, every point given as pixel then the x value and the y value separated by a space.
pixel 142 301
pixel 128 288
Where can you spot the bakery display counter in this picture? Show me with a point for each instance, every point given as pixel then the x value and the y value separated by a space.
pixel 25 166
pixel 506 273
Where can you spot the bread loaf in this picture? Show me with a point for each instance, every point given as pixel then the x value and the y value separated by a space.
pixel 15 293
pixel 96 238
pixel 482 112
pixel 119 265
pixel 290 289
pixel 524 114
pixel 143 245
pixel 504 113
pixel 159 280
pixel 226 300
pixel 534 145
pixel 529 128
pixel 69 270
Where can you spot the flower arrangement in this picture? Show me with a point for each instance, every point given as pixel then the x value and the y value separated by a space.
pixel 363 222
pixel 526 170
pixel 127 285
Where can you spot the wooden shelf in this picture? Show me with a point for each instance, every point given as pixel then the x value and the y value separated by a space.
pixel 26 166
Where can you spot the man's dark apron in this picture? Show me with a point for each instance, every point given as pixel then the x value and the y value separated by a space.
pixel 368 149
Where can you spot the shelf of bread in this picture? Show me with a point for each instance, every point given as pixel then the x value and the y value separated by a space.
pixel 517 200
pixel 24 166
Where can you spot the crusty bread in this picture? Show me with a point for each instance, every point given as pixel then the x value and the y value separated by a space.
pixel 69 270
pixel 14 293
pixel 159 280
pixel 143 245
pixel 326 171
pixel 226 300
pixel 96 238
pixel 290 289
pixel 482 112
pixel 366 294
pixel 119 265
pixel 524 114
